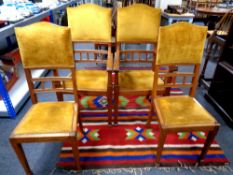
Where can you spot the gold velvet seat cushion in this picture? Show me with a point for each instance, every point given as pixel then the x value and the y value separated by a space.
pixel 90 80
pixel 182 111
pixel 47 117
pixel 137 80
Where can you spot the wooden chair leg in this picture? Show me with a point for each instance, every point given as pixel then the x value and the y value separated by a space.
pixel 209 49
pixel 150 113
pixel 76 153
pixel 21 156
pixel 109 98
pixel 59 96
pixel 116 105
pixel 58 85
pixel 79 116
pixel 209 140
pixel 80 124
pixel 162 138
pixel 95 54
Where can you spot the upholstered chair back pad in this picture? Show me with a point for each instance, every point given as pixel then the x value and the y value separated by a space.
pixel 90 22
pixel 45 45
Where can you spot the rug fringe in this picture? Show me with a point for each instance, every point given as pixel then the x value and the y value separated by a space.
pixel 141 171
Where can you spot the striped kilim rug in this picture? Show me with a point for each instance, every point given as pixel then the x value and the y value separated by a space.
pixel 131 144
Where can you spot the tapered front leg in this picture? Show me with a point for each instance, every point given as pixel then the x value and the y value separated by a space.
pixel 21 156
pixel 209 140
pixel 74 143
pixel 162 138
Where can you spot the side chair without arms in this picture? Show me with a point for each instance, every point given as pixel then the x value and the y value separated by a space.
pixel 46 121
pixel 181 44
pixel 91 24
pixel 136 24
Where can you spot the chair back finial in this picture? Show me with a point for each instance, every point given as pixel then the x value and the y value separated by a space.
pixel 137 23
pixel 45 45
pixel 90 22
pixel 181 43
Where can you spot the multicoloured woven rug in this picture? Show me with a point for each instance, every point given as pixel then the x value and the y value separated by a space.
pixel 131 144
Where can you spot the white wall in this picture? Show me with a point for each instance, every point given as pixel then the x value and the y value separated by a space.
pixel 163 3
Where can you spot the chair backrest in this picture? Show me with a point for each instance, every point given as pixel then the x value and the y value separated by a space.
pixel 223 26
pixel 46 46
pixel 180 44
pixel 137 24
pixel 90 23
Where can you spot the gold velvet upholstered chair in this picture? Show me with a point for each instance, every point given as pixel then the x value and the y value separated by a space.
pixel 46 46
pixel 181 44
pixel 91 24
pixel 137 25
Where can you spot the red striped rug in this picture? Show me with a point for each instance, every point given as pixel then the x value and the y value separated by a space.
pixel 131 144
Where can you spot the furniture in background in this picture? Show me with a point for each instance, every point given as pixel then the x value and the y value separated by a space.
pixel 215 43
pixel 171 18
pixel 163 4
pixel 135 82
pixel 212 11
pixel 193 4
pixel 130 2
pixel 91 24
pixel 208 12
pixel 181 44
pixel 220 92
pixel 47 121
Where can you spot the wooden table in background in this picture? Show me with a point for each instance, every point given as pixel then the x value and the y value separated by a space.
pixel 212 11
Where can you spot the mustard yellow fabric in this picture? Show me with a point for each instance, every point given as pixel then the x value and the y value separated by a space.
pixel 137 80
pixel 47 117
pixel 90 80
pixel 181 43
pixel 182 111
pixel 138 22
pixel 44 44
pixel 90 22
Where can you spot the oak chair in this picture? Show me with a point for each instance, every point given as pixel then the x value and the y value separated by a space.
pixel 136 24
pixel 91 24
pixel 181 44
pixel 46 121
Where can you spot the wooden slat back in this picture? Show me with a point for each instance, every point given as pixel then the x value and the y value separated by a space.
pixel 51 84
pixel 137 55
pixel 96 55
pixel 177 79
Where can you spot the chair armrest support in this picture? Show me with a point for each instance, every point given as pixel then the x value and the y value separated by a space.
pixel 109 65
pixel 116 65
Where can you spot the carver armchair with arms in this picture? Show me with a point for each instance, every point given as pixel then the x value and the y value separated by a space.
pixel 46 121
pixel 137 25
pixel 181 44
pixel 90 24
